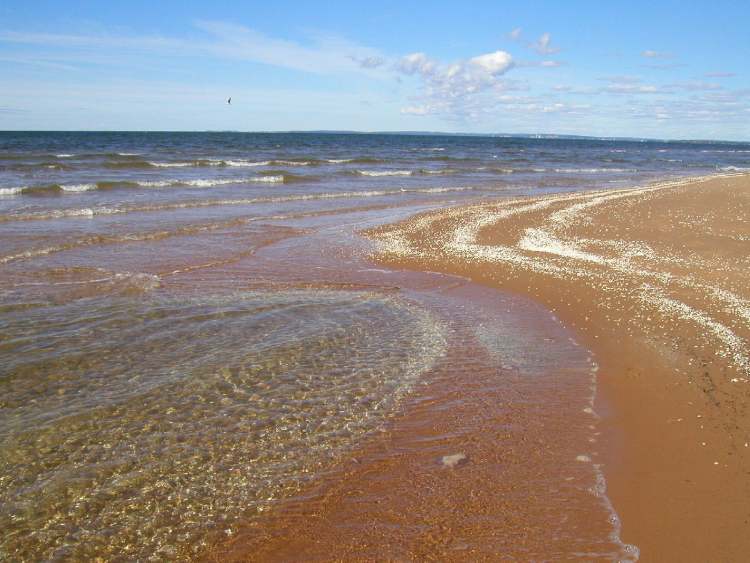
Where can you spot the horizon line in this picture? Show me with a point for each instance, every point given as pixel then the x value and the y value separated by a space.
pixel 405 132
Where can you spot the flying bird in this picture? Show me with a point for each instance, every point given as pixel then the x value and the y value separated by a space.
pixel 229 101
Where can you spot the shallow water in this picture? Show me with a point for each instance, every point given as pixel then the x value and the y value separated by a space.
pixel 132 425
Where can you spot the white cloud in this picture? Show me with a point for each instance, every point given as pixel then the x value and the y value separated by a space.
pixel 449 89
pixel 696 86
pixel 626 84
pixel 322 54
pixel 416 63
pixel 543 45
pixel 627 88
pixel 720 75
pixel 493 63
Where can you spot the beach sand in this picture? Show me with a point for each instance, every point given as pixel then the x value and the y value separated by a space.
pixel 653 280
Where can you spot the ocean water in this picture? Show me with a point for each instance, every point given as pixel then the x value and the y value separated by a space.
pixel 191 329
pixel 120 168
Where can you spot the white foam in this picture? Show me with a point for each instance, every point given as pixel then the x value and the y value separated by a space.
pixel 270 179
pixel 592 170
pixel 64 155
pixel 208 183
pixel 245 163
pixel 437 171
pixel 171 164
pixel 630 552
pixel 291 162
pixel 78 187
pixel 71 213
pixel 12 191
pixel 384 172
pixel 155 183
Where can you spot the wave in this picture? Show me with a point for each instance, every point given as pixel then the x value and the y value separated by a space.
pixel 592 170
pixel 112 184
pixel 208 162
pixel 31 167
pixel 240 163
pixel 208 183
pixel 446 158
pixel 170 164
pixel 48 189
pixel 384 172
pixel 127 164
pixel 356 160
pixel 11 191
pixel 136 162
pixel 438 171
pixel 734 168
pixel 496 169
pixel 94 211
pixel 78 187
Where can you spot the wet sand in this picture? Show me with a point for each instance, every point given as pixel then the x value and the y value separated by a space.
pixel 513 393
pixel 481 461
pixel 654 281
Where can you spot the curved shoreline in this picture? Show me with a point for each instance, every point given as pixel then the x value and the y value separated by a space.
pixel 494 454
pixel 652 280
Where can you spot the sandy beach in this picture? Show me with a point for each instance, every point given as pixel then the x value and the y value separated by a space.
pixel 432 282
pixel 458 363
pixel 653 281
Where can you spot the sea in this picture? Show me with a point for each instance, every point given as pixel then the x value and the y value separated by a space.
pixel 193 329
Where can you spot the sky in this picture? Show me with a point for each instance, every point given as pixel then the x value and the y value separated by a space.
pixel 656 69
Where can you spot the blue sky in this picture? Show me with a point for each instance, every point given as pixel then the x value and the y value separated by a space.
pixel 639 68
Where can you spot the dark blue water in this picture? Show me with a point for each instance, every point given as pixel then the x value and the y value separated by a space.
pixel 114 168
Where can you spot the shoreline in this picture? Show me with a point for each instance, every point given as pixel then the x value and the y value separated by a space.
pixel 482 458
pixel 677 461
pixel 667 454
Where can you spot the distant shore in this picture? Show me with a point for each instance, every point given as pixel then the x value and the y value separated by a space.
pixel 654 281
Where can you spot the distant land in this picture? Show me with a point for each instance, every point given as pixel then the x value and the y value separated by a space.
pixel 413 133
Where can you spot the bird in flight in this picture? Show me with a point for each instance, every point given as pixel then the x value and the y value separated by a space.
pixel 229 101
